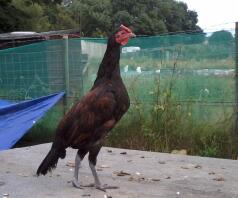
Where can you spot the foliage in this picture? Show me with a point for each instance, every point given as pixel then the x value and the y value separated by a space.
pixel 94 16
pixel 34 15
pixel 9 17
pixel 221 38
pixel 97 17
pixel 165 124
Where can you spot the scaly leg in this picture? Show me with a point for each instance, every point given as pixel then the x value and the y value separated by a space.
pixel 79 157
pixel 92 163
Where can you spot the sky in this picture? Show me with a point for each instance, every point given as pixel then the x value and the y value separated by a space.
pixel 215 15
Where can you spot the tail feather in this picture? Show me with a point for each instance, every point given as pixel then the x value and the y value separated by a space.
pixel 50 161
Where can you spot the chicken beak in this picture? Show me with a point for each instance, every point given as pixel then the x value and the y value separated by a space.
pixel 132 35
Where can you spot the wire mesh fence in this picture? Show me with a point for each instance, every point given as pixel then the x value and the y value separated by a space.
pixel 201 70
pixel 193 74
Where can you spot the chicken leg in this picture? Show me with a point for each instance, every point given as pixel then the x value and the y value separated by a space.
pixel 92 158
pixel 79 157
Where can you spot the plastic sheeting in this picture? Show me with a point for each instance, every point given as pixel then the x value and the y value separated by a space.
pixel 17 119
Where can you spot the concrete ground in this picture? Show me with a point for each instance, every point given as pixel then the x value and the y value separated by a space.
pixel 136 173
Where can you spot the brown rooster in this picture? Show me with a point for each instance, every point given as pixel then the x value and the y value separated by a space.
pixel 87 123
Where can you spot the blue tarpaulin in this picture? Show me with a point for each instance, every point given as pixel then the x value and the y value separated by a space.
pixel 16 119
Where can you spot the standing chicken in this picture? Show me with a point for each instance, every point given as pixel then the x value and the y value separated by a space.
pixel 87 123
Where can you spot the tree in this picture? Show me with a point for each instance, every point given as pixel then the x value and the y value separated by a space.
pixel 33 18
pixel 221 38
pixel 97 17
pixel 34 15
pixel 94 16
pixel 60 18
pixel 9 17
pixel 153 17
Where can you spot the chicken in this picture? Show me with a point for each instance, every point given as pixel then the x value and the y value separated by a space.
pixel 87 123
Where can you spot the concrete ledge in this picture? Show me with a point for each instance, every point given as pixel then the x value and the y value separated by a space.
pixel 143 174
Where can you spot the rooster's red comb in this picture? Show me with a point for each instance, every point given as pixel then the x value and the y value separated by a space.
pixel 122 27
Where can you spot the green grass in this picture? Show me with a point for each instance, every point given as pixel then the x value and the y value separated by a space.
pixel 183 111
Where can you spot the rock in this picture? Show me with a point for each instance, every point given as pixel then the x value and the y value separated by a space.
pixel 155 179
pixel 180 152
pixel 212 173
pixel 142 157
pixel 198 166
pixel 121 173
pixel 219 179
pixel 70 164
pixel 184 167
pixel 104 166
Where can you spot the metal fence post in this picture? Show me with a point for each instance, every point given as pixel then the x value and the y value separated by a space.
pixel 66 64
pixel 236 76
pixel 66 72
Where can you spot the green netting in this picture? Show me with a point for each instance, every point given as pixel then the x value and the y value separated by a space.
pixel 39 69
pixel 186 68
pixel 187 64
pixel 182 87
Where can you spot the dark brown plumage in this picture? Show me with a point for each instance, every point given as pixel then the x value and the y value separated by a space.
pixel 87 123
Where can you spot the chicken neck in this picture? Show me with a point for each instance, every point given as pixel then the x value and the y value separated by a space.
pixel 109 67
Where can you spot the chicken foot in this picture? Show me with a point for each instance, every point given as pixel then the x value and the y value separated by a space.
pixel 97 184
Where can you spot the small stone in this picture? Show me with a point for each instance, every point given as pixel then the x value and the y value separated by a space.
pixel 212 173
pixel 180 152
pixel 137 173
pixel 184 167
pixel 22 175
pixel 109 151
pixel 161 162
pixel 104 166
pixel 141 179
pixel 155 179
pixel 219 179
pixel 122 173
pixel 123 153
pixel 131 179
pixel 86 195
pixel 70 164
pixel 198 166
pixel 142 157
pixel 106 196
